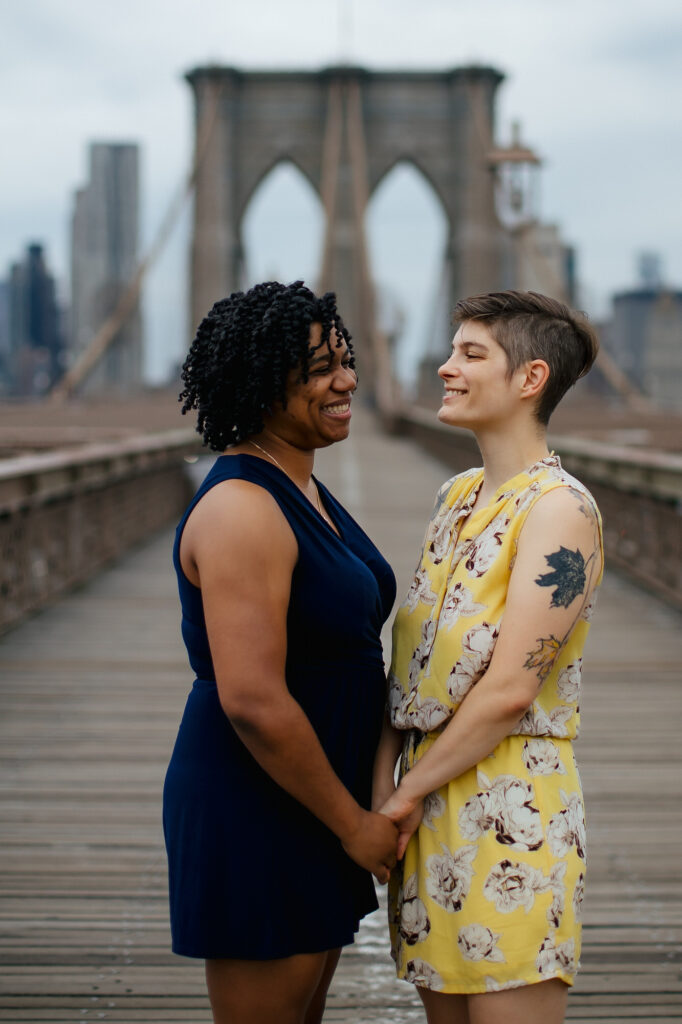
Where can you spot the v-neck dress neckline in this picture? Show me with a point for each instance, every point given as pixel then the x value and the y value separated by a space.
pixel 336 530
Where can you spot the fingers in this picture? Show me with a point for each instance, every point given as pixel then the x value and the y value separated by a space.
pixel 383 873
pixel 403 840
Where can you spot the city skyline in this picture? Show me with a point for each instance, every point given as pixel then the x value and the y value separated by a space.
pixel 590 91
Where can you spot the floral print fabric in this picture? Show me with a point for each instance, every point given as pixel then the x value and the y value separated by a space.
pixel 488 895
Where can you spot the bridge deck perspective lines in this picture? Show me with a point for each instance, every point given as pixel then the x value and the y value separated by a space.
pixel 91 693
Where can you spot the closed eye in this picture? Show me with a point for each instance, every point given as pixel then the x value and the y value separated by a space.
pixel 329 368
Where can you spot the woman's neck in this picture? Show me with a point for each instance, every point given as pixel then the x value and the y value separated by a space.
pixel 505 453
pixel 297 463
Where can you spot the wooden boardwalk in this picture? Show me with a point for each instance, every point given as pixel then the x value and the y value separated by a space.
pixel 91 693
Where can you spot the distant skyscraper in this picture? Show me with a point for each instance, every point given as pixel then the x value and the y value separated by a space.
pixel 31 345
pixel 5 377
pixel 104 256
pixel 645 338
pixel 650 268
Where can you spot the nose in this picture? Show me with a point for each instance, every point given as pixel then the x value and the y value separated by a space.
pixel 448 368
pixel 345 379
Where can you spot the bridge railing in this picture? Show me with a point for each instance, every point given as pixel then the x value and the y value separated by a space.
pixel 639 494
pixel 65 514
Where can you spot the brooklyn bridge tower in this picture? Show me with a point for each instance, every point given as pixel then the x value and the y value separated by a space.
pixel 345 128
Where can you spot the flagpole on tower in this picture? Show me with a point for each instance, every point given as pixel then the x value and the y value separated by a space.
pixel 344 20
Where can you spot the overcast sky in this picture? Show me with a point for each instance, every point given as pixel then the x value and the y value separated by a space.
pixel 596 85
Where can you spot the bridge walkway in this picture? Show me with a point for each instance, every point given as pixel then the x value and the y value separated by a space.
pixel 91 693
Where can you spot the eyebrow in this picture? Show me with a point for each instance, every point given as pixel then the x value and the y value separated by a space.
pixel 327 357
pixel 465 343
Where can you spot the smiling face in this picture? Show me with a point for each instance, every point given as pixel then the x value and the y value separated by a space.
pixel 479 391
pixel 317 412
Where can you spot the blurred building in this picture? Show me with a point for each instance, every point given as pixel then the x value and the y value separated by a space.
pixel 534 256
pixel 645 339
pixel 31 337
pixel 544 262
pixel 104 258
pixel 538 258
pixel 4 339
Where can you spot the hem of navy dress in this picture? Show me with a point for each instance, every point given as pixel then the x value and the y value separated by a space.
pixel 324 945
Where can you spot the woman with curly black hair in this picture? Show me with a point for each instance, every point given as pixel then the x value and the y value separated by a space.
pixel 269 837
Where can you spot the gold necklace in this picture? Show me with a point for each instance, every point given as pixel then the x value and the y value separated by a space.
pixel 280 466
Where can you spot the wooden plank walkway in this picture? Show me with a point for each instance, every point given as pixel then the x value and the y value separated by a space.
pixel 91 693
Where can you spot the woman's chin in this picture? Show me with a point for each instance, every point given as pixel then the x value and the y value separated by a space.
pixel 339 433
pixel 447 415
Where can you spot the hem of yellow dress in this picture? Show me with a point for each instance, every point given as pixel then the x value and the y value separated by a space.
pixel 476 990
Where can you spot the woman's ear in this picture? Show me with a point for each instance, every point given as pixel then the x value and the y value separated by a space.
pixel 536 375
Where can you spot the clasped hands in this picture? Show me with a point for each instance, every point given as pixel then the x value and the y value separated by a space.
pixel 406 813
pixel 379 837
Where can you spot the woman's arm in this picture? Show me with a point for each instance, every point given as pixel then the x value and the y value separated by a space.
pixel 557 566
pixel 391 741
pixel 388 752
pixel 244 552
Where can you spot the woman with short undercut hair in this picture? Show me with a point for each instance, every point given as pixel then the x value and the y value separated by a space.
pixel 484 686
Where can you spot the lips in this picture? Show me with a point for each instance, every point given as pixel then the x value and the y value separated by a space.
pixel 337 408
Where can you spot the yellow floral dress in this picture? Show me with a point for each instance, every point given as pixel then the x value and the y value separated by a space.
pixel 489 892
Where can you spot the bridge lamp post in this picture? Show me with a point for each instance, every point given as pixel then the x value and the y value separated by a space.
pixel 516 172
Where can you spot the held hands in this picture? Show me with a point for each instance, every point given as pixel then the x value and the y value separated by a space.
pixel 406 812
pixel 372 844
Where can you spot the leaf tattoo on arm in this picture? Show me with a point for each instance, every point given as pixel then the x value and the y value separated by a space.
pixel 568 576
pixel 544 657
pixel 571 576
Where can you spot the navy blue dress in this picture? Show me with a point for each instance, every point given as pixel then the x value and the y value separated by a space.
pixel 253 874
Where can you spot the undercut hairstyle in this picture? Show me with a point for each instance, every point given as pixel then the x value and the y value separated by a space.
pixel 528 326
pixel 238 365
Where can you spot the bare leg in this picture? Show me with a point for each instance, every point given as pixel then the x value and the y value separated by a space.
pixel 317 1003
pixel 544 1003
pixel 444 1008
pixel 264 991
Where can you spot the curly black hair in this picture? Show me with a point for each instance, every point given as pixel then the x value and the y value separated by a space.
pixel 239 361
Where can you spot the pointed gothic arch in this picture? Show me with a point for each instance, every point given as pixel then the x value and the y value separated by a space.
pixel 283 215
pixel 407 233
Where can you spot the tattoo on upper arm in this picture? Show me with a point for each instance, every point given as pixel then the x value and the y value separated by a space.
pixel 568 576
pixel 570 570
pixel 544 656
pixel 571 576
pixel 582 504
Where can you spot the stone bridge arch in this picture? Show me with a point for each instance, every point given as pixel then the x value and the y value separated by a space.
pixel 344 128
